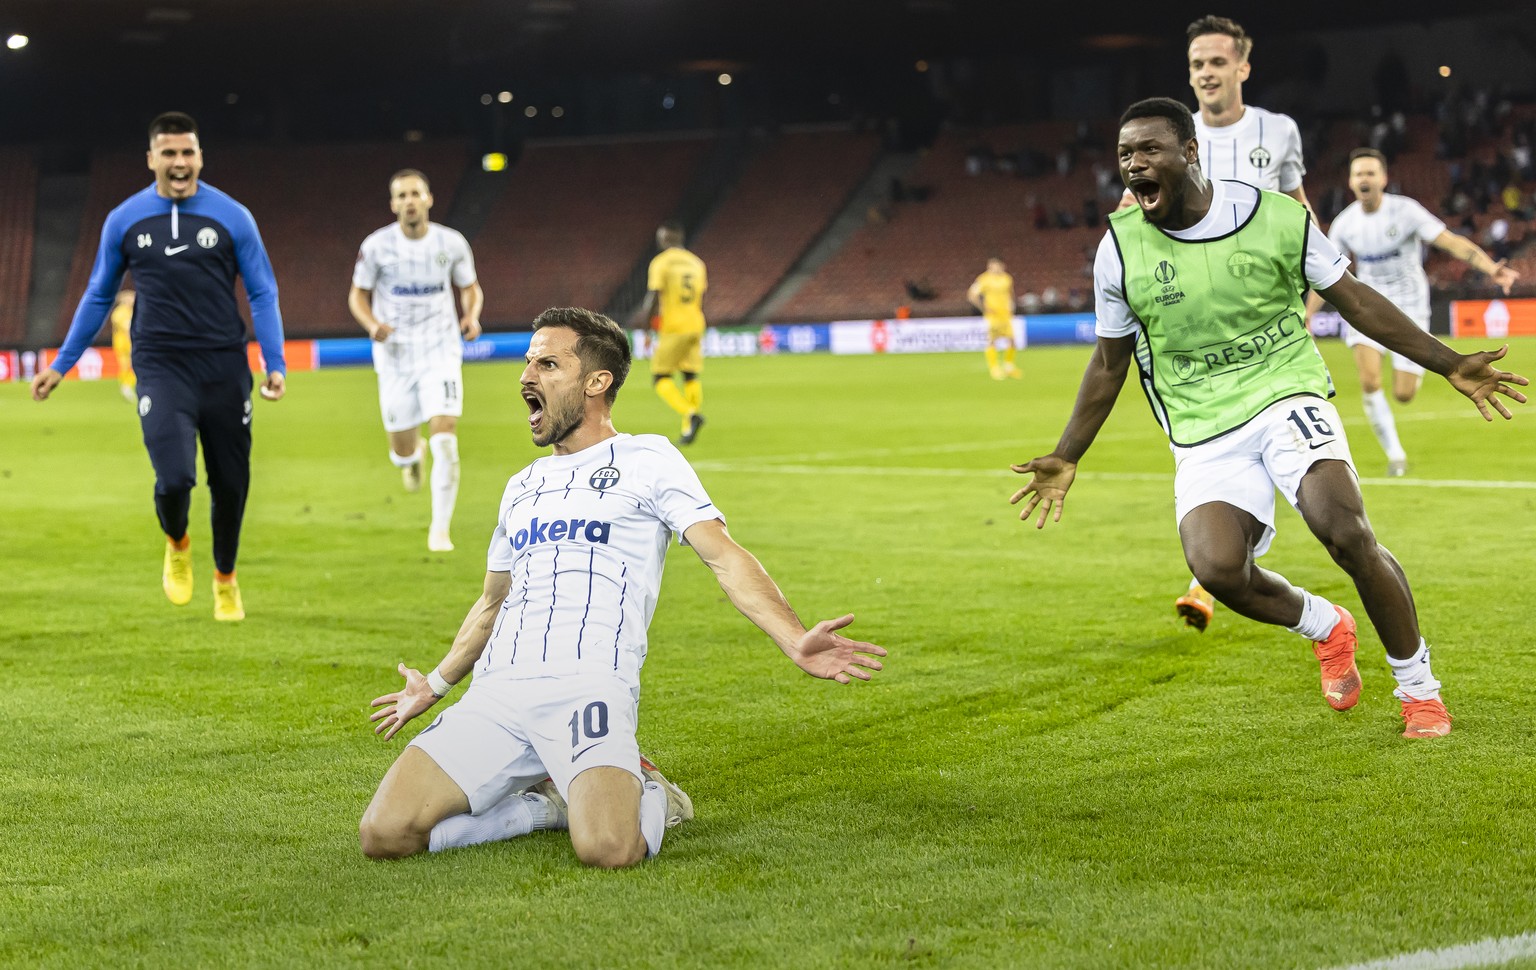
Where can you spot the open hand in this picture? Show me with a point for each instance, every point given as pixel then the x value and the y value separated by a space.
pixel 403 704
pixel 821 652
pixel 1052 477
pixel 1477 378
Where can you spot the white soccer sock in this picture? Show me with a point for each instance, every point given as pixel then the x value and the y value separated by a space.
pixel 1414 679
pixel 1379 413
pixel 404 461
pixel 507 819
pixel 1194 583
pixel 1318 617
pixel 445 478
pixel 653 817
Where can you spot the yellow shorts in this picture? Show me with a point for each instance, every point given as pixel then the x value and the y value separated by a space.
pixel 998 327
pixel 678 352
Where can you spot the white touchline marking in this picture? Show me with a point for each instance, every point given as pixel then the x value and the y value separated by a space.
pixel 767 468
pixel 1492 952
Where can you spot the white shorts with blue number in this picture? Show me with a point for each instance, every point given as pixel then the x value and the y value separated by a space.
pixel 1244 466
pixel 408 398
pixel 505 734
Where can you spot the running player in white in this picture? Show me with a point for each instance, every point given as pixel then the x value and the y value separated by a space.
pixel 1386 234
pixel 402 294
pixel 558 636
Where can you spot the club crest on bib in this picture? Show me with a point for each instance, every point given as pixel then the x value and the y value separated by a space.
pixel 1259 157
pixel 1241 265
pixel 207 237
pixel 604 478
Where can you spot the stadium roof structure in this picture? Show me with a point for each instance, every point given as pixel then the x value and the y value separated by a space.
pixel 220 40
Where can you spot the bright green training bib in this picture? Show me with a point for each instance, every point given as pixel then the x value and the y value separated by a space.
pixel 1223 333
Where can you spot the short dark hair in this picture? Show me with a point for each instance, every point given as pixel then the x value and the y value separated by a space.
pixel 1175 111
pixel 410 173
pixel 1367 153
pixel 600 343
pixel 675 228
pixel 172 123
pixel 1212 24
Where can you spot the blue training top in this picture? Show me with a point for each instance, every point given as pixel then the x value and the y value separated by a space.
pixel 185 255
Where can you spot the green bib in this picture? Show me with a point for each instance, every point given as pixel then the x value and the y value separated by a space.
pixel 1223 333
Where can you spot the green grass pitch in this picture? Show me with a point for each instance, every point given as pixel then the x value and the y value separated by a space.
pixel 1051 771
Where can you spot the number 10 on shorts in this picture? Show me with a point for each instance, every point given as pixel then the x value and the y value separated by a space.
pixel 590 722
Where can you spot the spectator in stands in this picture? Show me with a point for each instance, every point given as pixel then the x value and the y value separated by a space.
pixel 1050 299
pixel 1029 302
pixel 403 294
pixel 1037 212
pixel 186 243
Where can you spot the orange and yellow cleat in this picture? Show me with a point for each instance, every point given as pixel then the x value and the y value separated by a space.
pixel 1336 656
pixel 1197 607
pixel 1425 719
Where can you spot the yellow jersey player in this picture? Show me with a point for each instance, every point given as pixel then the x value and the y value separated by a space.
pixel 676 284
pixel 122 346
pixel 992 294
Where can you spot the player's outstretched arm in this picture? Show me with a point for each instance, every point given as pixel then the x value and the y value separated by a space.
pixel 1472 374
pixel 418 694
pixel 1472 254
pixel 820 651
pixel 1053 473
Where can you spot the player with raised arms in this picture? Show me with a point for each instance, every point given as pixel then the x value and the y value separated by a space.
pixel 1202 286
pixel 558 636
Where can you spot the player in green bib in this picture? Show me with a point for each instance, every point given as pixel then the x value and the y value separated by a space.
pixel 1201 285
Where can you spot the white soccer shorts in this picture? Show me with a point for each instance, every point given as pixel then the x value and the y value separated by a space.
pixel 407 400
pixel 504 734
pixel 1244 466
pixel 1402 365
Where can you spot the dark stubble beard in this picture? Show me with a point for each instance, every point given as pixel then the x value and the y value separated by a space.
pixel 559 422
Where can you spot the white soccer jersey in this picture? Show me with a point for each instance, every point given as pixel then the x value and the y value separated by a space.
pixel 1261 148
pixel 412 283
pixel 1388 248
pixel 585 537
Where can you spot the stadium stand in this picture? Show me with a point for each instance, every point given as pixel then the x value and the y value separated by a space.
pixel 789 192
pixel 939 235
pixel 313 205
pixel 18 210
pixel 573 218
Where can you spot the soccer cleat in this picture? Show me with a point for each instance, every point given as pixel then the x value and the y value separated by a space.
pixel 438 541
pixel 1425 719
pixel 1397 467
pixel 1197 607
pixel 176 574
pixel 695 422
pixel 1336 656
pixel 410 476
pixel 997 373
pixel 679 805
pixel 1014 372
pixel 226 601
pixel 559 812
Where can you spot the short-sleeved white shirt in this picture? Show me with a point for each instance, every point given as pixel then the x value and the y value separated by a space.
pixel 1261 148
pixel 585 538
pixel 412 284
pixel 1388 248
pixel 1232 203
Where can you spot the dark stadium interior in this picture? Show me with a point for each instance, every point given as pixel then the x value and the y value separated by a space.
pixel 758 124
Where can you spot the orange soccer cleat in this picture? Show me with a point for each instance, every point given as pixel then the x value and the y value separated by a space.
pixel 1197 607
pixel 1336 656
pixel 1425 719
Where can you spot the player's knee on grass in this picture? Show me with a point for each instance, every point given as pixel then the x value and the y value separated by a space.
pixel 608 849
pixel 604 818
pixel 386 835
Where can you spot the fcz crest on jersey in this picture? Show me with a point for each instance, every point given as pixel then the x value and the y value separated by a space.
pixel 604 478
pixel 1259 157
